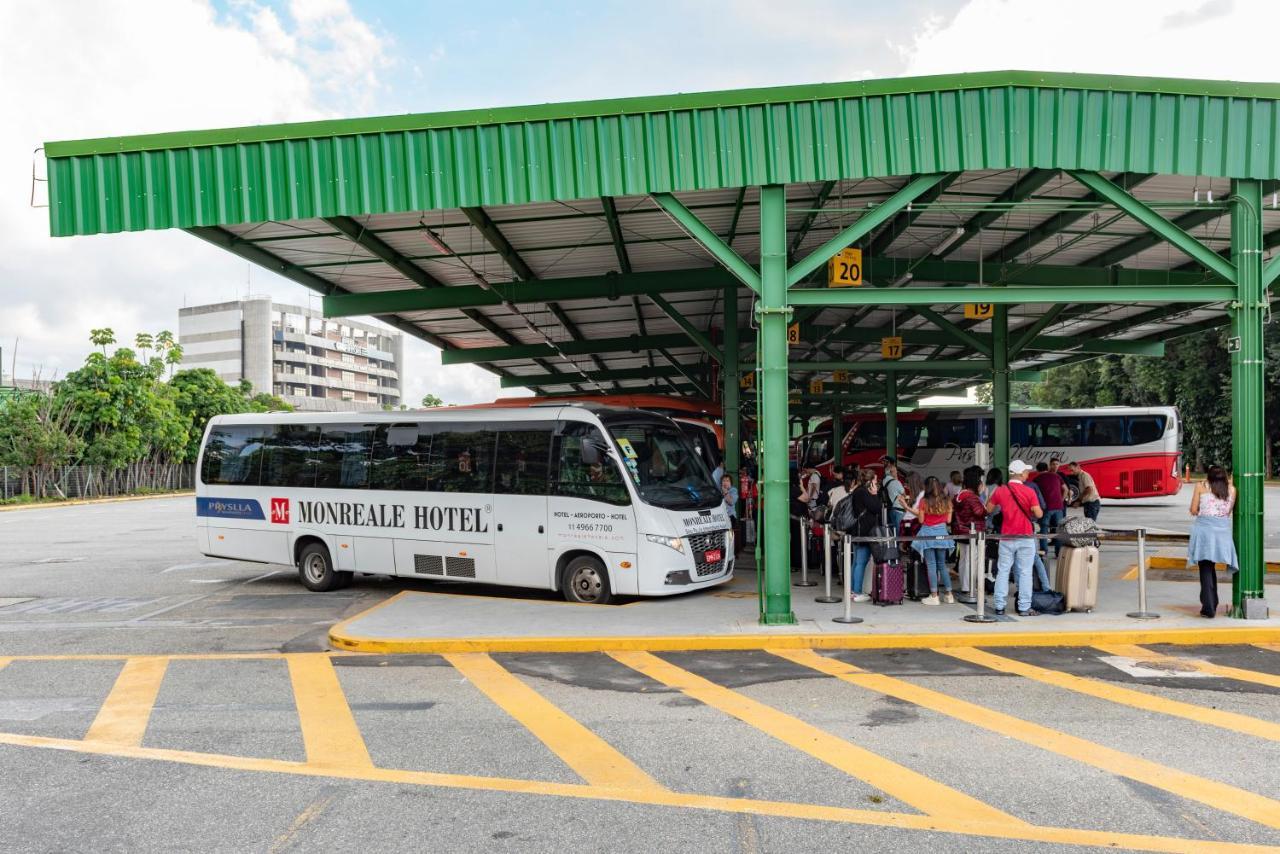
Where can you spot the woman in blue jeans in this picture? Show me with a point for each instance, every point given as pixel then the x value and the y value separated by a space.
pixel 866 511
pixel 934 510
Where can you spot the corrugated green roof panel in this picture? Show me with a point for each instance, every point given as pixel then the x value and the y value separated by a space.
pixel 684 142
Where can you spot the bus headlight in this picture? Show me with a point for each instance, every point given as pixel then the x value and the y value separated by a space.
pixel 670 542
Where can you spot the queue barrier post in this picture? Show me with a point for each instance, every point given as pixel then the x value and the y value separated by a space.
pixel 847 616
pixel 1142 613
pixel 970 597
pixel 804 556
pixel 978 552
pixel 826 598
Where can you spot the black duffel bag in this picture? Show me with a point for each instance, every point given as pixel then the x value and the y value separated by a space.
pixel 1049 602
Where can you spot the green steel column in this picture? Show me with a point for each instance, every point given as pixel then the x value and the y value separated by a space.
pixel 1000 386
pixel 1247 429
pixel 891 414
pixel 729 374
pixel 775 607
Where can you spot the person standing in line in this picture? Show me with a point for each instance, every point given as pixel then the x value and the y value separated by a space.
pixel 969 511
pixel 934 510
pixel 1089 499
pixel 892 493
pixel 1211 543
pixel 810 486
pixel 1018 511
pixel 955 483
pixel 866 514
pixel 1041 549
pixel 1054 490
pixel 834 497
pixel 994 480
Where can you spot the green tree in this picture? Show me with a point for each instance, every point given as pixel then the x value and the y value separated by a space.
pixel 122 410
pixel 145 344
pixel 199 395
pixel 430 401
pixel 102 337
pixel 173 357
pixel 37 435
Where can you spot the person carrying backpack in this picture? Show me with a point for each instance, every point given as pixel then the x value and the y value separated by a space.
pixel 934 510
pixel 1018 512
pixel 893 495
pixel 969 513
pixel 860 513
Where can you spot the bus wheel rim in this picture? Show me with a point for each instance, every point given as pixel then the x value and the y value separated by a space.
pixel 315 567
pixel 586 584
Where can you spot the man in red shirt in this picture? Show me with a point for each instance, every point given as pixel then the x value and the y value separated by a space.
pixel 1018 511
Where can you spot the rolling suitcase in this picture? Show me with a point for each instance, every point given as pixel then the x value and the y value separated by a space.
pixel 1077 577
pixel 888 586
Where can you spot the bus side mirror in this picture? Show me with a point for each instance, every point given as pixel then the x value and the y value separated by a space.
pixel 591 454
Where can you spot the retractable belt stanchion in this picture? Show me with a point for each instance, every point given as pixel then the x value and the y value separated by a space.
pixel 826 598
pixel 847 616
pixel 804 556
pixel 1142 613
pixel 970 550
pixel 980 615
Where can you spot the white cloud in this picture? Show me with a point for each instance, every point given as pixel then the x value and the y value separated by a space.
pixel 1164 38
pixel 74 70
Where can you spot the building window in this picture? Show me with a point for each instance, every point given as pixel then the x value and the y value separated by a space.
pixel 348 395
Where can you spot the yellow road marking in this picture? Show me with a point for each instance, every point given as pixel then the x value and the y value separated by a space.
pixel 1143 654
pixel 329 731
pixel 925 794
pixel 124 715
pixel 656 797
pixel 1218 795
pixel 1117 694
pixel 308 815
pixel 590 756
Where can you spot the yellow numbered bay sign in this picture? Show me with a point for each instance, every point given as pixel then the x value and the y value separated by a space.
pixel 979 311
pixel 844 270
pixel 891 347
pixel 793 396
pixel 793 333
pixel 840 376
pixel 815 386
pixel 747 381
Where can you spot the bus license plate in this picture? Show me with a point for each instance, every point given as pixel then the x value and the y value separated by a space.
pixel 713 555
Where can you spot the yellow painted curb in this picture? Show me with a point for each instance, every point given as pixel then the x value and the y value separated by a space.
pixel 671 643
pixel 43 505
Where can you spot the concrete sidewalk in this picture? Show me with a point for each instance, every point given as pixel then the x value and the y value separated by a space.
pixel 461 617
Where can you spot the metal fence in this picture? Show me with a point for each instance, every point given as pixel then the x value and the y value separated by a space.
pixel 65 482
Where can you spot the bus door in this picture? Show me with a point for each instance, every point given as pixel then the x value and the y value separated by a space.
pixel 590 507
pixel 520 485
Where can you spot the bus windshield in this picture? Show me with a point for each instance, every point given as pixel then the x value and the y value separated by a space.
pixel 665 468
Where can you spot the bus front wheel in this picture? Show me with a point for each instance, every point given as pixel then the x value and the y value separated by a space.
pixel 315 568
pixel 586 581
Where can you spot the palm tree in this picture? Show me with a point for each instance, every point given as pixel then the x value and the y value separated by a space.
pixel 173 357
pixel 144 342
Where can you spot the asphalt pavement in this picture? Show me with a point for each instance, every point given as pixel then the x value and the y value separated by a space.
pixel 155 700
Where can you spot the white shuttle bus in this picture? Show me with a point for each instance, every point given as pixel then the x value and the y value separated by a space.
pixel 595 502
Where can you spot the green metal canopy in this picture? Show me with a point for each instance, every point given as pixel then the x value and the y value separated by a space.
pixel 634 243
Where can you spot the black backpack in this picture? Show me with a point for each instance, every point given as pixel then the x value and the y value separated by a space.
pixel 842 517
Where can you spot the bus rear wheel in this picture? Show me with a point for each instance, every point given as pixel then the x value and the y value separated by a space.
pixel 315 569
pixel 586 581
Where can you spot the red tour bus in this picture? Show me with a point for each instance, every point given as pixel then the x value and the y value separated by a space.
pixel 1131 452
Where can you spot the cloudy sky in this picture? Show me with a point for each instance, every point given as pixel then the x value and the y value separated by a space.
pixel 72 69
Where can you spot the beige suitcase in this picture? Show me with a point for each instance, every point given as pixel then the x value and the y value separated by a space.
pixel 1077 577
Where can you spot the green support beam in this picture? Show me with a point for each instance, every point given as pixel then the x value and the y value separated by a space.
pixel 865 224
pixel 1059 222
pixel 540 380
pixel 1000 380
pixel 358 234
pixel 960 335
pixel 708 239
pixel 1248 433
pixel 683 371
pixel 630 344
pixel 695 334
pixel 729 387
pixel 775 477
pixel 1012 295
pixel 819 202
pixel 1162 227
pixel 624 260
pixel 1032 332
pixel 904 219
pixel 1044 343
pixel 1022 189
pixel 498 293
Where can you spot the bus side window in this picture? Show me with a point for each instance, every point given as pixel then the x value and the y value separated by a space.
pixel 289 458
pixel 399 457
pixel 462 459
pixel 524 457
pixel 1104 431
pixel 577 479
pixel 233 455
pixel 1145 428
pixel 343 457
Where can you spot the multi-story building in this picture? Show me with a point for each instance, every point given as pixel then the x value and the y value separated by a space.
pixel 311 362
